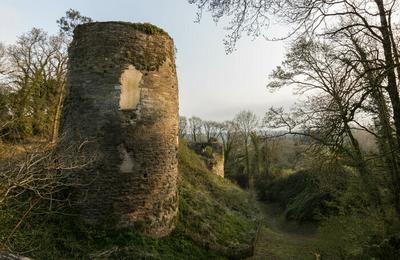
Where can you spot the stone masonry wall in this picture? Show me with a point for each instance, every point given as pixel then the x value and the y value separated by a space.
pixel 122 96
pixel 213 155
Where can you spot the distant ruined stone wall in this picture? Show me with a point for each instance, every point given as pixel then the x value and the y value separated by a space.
pixel 213 155
pixel 122 95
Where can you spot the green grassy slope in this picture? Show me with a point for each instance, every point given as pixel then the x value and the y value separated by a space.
pixel 213 212
pixel 216 220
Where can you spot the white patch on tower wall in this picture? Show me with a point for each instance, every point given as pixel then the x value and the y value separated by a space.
pixel 130 91
pixel 127 162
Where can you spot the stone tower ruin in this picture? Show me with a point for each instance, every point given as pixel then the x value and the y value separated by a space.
pixel 212 153
pixel 122 97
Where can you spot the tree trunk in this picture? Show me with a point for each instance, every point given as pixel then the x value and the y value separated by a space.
pixel 387 143
pixel 248 172
pixel 57 115
pixel 255 141
pixel 390 68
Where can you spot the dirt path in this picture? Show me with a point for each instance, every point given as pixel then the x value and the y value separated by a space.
pixel 279 239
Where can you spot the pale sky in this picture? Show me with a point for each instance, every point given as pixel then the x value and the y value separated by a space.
pixel 212 85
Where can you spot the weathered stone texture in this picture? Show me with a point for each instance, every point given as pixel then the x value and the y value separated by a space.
pixel 8 256
pixel 122 95
pixel 212 153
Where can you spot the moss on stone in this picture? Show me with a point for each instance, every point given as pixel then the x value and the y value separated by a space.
pixel 148 28
pixel 126 37
pixel 147 61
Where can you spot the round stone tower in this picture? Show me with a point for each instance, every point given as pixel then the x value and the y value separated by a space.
pixel 122 97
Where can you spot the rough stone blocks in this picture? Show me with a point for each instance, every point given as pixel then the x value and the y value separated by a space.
pixel 122 96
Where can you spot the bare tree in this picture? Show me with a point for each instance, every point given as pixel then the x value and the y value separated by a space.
pixel 36 78
pixel 195 126
pixel 246 123
pixel 44 171
pixel 72 18
pixel 329 115
pixel 183 125
pixel 3 59
pixel 256 141
pixel 373 20
pixel 42 174
pixel 211 129
pixel 229 136
pixel 370 69
pixel 247 16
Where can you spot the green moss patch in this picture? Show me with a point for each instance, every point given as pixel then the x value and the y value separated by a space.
pixel 148 28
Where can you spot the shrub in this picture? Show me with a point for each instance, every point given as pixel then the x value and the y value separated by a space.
pixel 306 195
pixel 350 236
